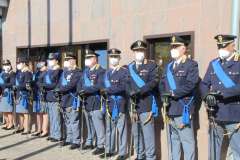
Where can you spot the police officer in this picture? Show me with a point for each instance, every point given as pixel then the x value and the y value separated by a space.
pixel 51 80
pixel 67 87
pixel 23 80
pixel 220 90
pixel 7 80
pixel 90 85
pixel 180 79
pixel 115 80
pixel 143 83
pixel 39 97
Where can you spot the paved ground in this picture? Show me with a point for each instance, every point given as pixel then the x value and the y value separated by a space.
pixel 19 147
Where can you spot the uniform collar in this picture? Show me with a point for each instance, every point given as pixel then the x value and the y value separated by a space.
pixel 55 67
pixel 73 68
pixel 94 67
pixel 230 58
pixel 25 69
pixel 116 68
pixel 181 59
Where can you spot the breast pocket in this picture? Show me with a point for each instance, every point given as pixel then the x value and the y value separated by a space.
pixel 20 79
pixel 93 79
pixel 115 81
pixel 234 75
pixel 144 75
pixel 181 76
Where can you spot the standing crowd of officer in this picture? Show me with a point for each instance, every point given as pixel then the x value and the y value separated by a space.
pixel 69 102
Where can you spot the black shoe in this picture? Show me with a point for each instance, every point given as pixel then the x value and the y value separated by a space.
pixel 86 147
pixel 98 151
pixel 4 128
pixel 107 155
pixel 25 133
pixel 18 131
pixel 10 128
pixel 63 143
pixel 54 140
pixel 49 138
pixel 121 157
pixel 43 135
pixel 36 134
pixel 74 146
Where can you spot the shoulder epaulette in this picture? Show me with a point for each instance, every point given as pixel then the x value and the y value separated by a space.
pixel 236 57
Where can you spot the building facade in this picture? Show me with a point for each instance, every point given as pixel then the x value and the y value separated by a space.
pixel 36 27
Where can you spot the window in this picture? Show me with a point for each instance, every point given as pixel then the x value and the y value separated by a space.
pixel 159 47
pixel 35 52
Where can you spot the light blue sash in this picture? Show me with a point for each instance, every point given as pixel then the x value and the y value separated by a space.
pixel 47 78
pixel 116 99
pixel 222 76
pixel 9 96
pixel 75 101
pixel 1 79
pixel 38 103
pixel 140 83
pixel 186 106
pixel 24 98
pixel 16 81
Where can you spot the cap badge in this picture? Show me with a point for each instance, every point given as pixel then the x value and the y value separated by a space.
pixel 173 39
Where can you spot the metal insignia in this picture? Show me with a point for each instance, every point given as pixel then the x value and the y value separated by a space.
pixel 69 77
pixel 139 43
pixel 220 39
pixel 173 39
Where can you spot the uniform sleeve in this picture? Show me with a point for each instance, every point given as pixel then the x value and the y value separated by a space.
pixel 79 83
pixel 71 85
pixel 40 81
pixel 162 83
pixel 192 80
pixel 205 83
pixel 119 88
pixel 153 80
pixel 99 85
pixel 27 79
pixel 56 76
pixel 11 82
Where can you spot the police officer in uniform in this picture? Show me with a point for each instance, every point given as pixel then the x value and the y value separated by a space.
pixel 51 80
pixel 220 89
pixel 180 79
pixel 39 99
pixel 143 82
pixel 89 86
pixel 115 80
pixel 23 80
pixel 67 87
pixel 7 80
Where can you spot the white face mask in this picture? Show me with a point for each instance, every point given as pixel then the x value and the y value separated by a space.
pixel 223 53
pixel 66 64
pixel 7 68
pixel 174 53
pixel 114 61
pixel 139 56
pixel 88 62
pixel 20 66
pixel 51 63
